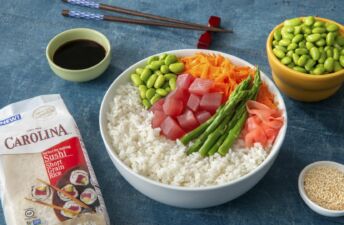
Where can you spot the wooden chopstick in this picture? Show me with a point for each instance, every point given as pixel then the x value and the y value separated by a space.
pixel 77 201
pixel 52 206
pixel 92 16
pixel 131 12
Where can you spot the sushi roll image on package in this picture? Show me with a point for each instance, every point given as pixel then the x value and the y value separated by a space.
pixel 46 177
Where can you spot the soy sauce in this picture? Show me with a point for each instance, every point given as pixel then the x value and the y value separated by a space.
pixel 79 54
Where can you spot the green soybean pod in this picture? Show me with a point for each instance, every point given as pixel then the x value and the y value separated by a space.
pixel 274 43
pixel 318 70
pixel 315 54
pixel 297 38
pixel 299 69
pixel 151 59
pixel 176 67
pixel 310 64
pixel 323 35
pixel 295 58
pixel 282 48
pixel 290 53
pixel 337 66
pixel 297 30
pixel 332 27
pixel 321 42
pixel 170 76
pixel 159 81
pixel 164 69
pixel 335 54
pixel 293 22
pixel 278 53
pixel 161 92
pixel 168 89
pixel 135 78
pixel 291 65
pixel 162 56
pixel 309 45
pixel 329 64
pixel 145 74
pixel 150 93
pixel 155 65
pixel 309 20
pixel 151 81
pixel 341 60
pixel 146 103
pixel 170 59
pixel 323 57
pixel 318 30
pixel 329 52
pixel 319 24
pixel 139 71
pixel 337 46
pixel 155 98
pixel 292 46
pixel 286 35
pixel 302 44
pixel 313 37
pixel 342 52
pixel 301 51
pixel 277 35
pixel 142 90
pixel 330 38
pixel 302 60
pixel 340 40
pixel 288 29
pixel 306 30
pixel 284 42
pixel 286 60
pixel 173 83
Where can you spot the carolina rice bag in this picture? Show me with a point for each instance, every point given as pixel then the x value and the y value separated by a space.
pixel 41 151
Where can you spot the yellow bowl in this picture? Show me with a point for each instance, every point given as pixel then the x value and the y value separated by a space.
pixel 301 86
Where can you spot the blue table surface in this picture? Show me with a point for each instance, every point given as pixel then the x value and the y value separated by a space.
pixel 315 131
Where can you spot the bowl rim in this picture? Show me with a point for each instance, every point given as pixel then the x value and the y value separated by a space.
pixel 315 207
pixel 296 73
pixel 73 30
pixel 273 152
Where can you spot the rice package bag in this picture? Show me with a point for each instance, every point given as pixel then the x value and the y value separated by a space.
pixel 46 177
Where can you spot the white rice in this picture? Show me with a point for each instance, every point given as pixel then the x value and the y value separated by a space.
pixel 147 153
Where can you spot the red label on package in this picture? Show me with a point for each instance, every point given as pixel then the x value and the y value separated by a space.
pixel 63 157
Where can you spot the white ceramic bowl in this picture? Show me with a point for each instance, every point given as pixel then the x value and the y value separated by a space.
pixel 187 197
pixel 316 208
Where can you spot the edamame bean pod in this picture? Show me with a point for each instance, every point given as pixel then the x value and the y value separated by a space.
pixel 288 29
pixel 176 67
pixel 161 91
pixel 170 76
pixel 306 30
pixel 278 53
pixel 284 49
pixel 146 103
pixel 172 83
pixel 292 46
pixel 318 70
pixel 330 38
pixel 329 64
pixel 162 56
pixel 286 60
pixel 151 80
pixel 277 35
pixel 284 42
pixel 340 40
pixel 309 45
pixel 337 66
pixel 332 27
pixel 136 79
pixel 319 24
pixel 292 22
pixel 274 43
pixel 321 42
pixel 164 69
pixel 155 98
pixel 139 71
pixel 310 64
pixel 323 57
pixel 150 93
pixel 315 53
pixel 302 60
pixel 318 30
pixel 341 60
pixel 291 65
pixel 286 35
pixel 155 65
pixel 170 59
pixel 295 58
pixel 299 69
pixel 152 58
pixel 329 52
pixel 313 37
pixel 309 20
pixel 145 74
pixel 342 52
pixel 142 90
pixel 297 38
pixel 297 30
pixel 290 53
pixel 302 44
pixel 159 81
pixel 301 51
pixel 335 54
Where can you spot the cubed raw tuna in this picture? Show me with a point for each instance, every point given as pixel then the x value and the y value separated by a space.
pixel 158 117
pixel 193 102
pixel 187 120
pixel 173 107
pixel 184 81
pixel 171 129
pixel 211 101
pixel 200 86
pixel 202 116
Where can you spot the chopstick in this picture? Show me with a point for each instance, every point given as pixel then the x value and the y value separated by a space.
pixel 117 9
pixel 93 16
pixel 51 206
pixel 77 201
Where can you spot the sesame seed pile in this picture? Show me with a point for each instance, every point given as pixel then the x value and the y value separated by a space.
pixel 324 185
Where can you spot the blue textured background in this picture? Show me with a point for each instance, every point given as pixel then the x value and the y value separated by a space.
pixel 316 131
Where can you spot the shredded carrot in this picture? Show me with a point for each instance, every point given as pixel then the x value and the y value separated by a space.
pixel 224 73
